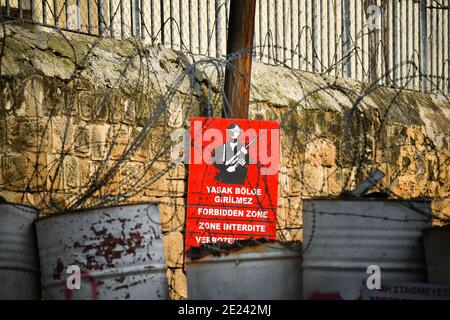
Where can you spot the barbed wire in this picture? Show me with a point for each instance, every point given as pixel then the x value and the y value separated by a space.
pixel 334 87
pixel 124 21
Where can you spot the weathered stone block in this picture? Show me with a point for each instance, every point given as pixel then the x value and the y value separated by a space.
pixel 175 171
pixel 135 138
pixel 409 186
pixel 85 102
pixel 13 65
pixel 88 168
pixel 31 99
pixel 21 49
pixel 7 97
pixel 124 111
pixel 282 213
pixel 432 189
pixel 118 152
pixel 297 182
pixel 59 201
pixel 121 133
pixel 321 152
pixel 55 175
pixel 73 49
pixel 82 141
pixel 416 135
pixel 172 212
pixel 177 113
pixel 166 178
pixel 335 181
pixel 2 163
pixel 13 196
pixel 313 181
pixel 25 133
pixel 282 220
pixel 294 209
pixel 63 134
pixel 397 135
pixel 24 171
pixel 52 65
pixel 165 188
pixel 289 213
pixel 55 99
pixel 2 135
pixel 119 140
pixel 173 249
pixel 131 173
pixel 99 134
pixel 348 175
pixel 441 211
pixel 144 110
pixel 177 284
pixel 157 144
pixel 284 235
pixel 283 182
pixel 71 172
pixel 101 110
pixel 297 234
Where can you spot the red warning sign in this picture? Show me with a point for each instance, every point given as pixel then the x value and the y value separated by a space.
pixel 233 180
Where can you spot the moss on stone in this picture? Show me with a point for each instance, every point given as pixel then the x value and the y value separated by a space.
pixel 52 66
pixel 121 48
pixel 76 50
pixel 394 107
pixel 30 37
pixel 18 47
pixel 9 65
pixel 314 100
pixel 60 46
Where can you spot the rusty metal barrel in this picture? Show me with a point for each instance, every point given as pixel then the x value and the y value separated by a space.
pixel 19 263
pixel 342 238
pixel 265 271
pixel 116 253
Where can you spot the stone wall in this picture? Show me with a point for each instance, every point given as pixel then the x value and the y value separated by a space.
pixel 85 121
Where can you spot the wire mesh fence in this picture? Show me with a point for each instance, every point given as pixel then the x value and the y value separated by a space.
pixel 363 40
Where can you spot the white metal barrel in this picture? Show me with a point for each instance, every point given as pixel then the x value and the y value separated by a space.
pixel 342 238
pixel 19 263
pixel 264 271
pixel 119 251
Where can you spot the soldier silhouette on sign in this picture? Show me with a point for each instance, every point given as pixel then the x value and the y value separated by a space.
pixel 231 158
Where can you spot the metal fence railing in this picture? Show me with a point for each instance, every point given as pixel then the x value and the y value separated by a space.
pixel 403 43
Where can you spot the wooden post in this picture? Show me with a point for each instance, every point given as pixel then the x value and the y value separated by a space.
pixel 238 70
